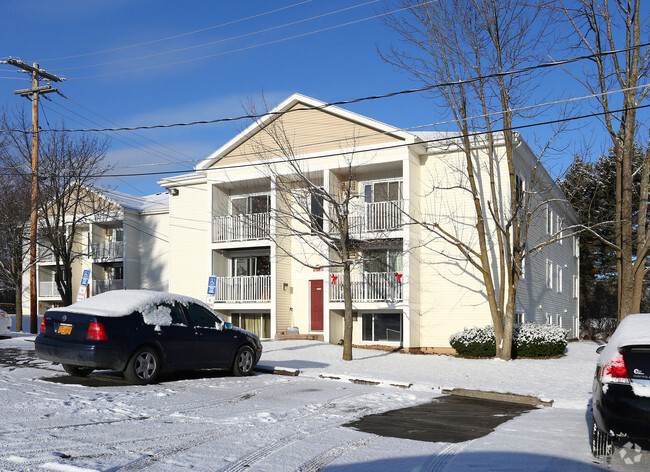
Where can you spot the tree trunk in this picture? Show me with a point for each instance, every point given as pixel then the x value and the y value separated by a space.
pixel 347 297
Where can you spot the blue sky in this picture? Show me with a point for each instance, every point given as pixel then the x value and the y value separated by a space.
pixel 113 79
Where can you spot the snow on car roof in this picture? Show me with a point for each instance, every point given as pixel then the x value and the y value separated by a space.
pixel 633 330
pixel 117 303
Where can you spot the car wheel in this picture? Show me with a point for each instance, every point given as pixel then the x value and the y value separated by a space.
pixel 602 444
pixel 244 361
pixel 143 367
pixel 77 371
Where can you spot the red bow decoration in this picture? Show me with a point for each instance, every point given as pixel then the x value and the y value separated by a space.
pixel 399 277
pixel 334 277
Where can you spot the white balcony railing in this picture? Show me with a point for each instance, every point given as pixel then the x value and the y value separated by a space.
pixel 48 290
pixel 101 286
pixel 378 216
pixel 254 288
pixel 241 227
pixel 108 250
pixel 369 287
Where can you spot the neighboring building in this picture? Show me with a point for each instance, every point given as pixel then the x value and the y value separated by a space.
pixel 125 246
pixel 408 292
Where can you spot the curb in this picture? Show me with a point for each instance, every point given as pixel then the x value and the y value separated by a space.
pixel 498 396
pixel 463 392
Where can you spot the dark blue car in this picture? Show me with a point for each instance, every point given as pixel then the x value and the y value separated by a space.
pixel 142 333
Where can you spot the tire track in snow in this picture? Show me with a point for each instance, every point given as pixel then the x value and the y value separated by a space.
pixel 323 460
pixel 440 461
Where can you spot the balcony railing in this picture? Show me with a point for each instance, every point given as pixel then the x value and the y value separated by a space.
pixel 108 250
pixel 241 227
pixel 101 286
pixel 377 216
pixel 48 289
pixel 254 288
pixel 369 287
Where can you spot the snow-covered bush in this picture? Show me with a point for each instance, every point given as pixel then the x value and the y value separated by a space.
pixel 528 340
pixel 474 342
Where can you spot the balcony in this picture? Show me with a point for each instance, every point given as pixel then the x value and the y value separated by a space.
pixel 377 216
pixel 369 287
pixel 48 290
pixel 243 289
pixel 244 227
pixel 101 286
pixel 108 250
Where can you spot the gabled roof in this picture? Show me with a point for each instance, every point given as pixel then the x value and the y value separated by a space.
pixel 295 103
pixel 156 202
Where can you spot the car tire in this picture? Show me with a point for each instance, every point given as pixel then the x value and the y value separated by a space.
pixel 143 367
pixel 77 371
pixel 602 443
pixel 244 361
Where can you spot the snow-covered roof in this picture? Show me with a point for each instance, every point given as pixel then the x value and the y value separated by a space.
pixel 634 330
pixel 158 201
pixel 118 303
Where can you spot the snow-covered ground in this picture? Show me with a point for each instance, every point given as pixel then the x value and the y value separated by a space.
pixel 280 423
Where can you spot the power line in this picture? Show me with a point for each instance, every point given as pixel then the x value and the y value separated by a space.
pixel 187 48
pixel 355 100
pixel 396 146
pixel 146 43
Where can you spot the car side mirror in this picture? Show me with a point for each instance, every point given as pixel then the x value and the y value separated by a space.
pixel 600 349
pixel 227 325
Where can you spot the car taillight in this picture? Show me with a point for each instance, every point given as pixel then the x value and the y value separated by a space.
pixel 614 371
pixel 96 331
pixel 43 325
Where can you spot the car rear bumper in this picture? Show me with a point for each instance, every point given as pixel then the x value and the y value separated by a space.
pixel 621 412
pixel 80 354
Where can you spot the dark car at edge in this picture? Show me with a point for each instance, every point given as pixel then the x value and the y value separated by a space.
pixel 143 333
pixel 621 388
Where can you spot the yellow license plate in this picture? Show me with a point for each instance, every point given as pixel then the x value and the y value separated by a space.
pixel 64 329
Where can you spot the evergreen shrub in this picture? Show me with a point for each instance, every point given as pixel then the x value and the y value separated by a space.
pixel 529 340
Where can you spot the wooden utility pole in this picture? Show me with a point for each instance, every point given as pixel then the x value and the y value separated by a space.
pixel 33 94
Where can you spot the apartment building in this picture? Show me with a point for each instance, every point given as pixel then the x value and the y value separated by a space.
pixel 125 245
pixel 409 288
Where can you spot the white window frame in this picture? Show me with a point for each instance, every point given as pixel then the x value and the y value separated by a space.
pixel 549 221
pixel 549 273
pixel 559 228
pixel 560 278
pixel 576 287
pixel 576 246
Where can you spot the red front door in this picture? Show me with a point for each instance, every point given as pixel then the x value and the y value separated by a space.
pixel 316 305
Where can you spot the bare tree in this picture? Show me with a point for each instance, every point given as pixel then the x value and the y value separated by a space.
pixel 601 26
pixel 69 167
pixel 465 50
pixel 318 212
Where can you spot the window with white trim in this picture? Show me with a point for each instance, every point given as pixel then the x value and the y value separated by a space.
pixel 385 327
pixel 576 246
pixel 558 227
pixel 576 286
pixel 549 273
pixel 560 273
pixel 549 221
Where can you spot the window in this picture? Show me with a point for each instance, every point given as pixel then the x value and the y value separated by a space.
pixel 549 221
pixel 382 191
pixel 258 323
pixel 560 273
pixel 200 317
pixel 576 246
pixel 549 273
pixel 576 286
pixel 252 265
pixel 558 227
pixel 251 204
pixel 382 260
pixel 316 212
pixel 520 188
pixel 520 318
pixel 523 267
pixel 382 327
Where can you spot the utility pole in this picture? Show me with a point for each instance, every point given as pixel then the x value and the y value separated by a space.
pixel 33 94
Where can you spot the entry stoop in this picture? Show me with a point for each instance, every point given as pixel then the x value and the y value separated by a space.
pixel 282 335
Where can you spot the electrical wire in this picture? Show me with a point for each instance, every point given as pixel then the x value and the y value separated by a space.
pixel 232 38
pixel 354 100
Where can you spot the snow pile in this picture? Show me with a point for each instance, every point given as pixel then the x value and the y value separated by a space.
pixel 117 303
pixel 633 330
pixel 159 315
